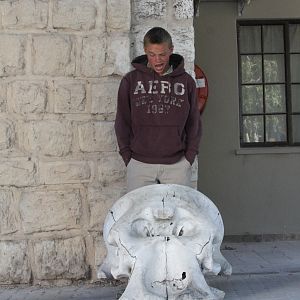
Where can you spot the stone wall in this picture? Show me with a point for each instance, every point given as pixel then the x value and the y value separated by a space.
pixel 60 65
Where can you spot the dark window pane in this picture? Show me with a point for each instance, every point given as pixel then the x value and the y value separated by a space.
pixel 296 98
pixel 251 68
pixel 273 38
pixel 295 67
pixel 276 128
pixel 274 68
pixel 275 98
pixel 294 30
pixel 250 41
pixel 253 129
pixel 252 99
pixel 296 129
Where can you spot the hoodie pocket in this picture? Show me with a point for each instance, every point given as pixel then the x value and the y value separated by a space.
pixel 157 141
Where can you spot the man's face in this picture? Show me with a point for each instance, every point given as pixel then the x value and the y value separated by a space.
pixel 158 56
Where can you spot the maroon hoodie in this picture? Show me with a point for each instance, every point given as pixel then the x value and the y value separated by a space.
pixel 157 119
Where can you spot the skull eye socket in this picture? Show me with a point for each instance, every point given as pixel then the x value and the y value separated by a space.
pixel 180 232
pixel 142 228
pixel 185 228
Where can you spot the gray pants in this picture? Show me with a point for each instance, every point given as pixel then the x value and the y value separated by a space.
pixel 140 174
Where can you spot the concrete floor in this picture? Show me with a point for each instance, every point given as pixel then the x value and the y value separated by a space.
pixel 261 271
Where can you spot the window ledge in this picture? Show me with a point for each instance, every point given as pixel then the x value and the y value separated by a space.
pixel 267 150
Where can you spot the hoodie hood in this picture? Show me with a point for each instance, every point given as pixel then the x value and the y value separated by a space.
pixel 176 61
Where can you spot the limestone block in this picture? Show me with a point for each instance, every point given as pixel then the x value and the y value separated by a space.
pixel 12 55
pixel 69 97
pixel 53 55
pixel 101 22
pixel 50 210
pixel 17 172
pixel 149 9
pixel 20 14
pixel 9 212
pixel 56 259
pixel 184 9
pixel 74 14
pixel 27 97
pixel 47 137
pixel 101 200
pixel 104 96
pixel 100 250
pixel 183 39
pixel 97 136
pixel 118 62
pixel 118 15
pixel 7 134
pixel 92 56
pixel 60 172
pixel 14 262
pixel 111 168
pixel 3 100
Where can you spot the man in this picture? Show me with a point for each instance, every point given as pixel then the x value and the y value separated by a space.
pixel 158 124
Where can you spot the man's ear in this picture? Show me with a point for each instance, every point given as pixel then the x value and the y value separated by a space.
pixel 145 49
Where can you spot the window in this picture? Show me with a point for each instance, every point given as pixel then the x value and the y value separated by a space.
pixel 269 68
